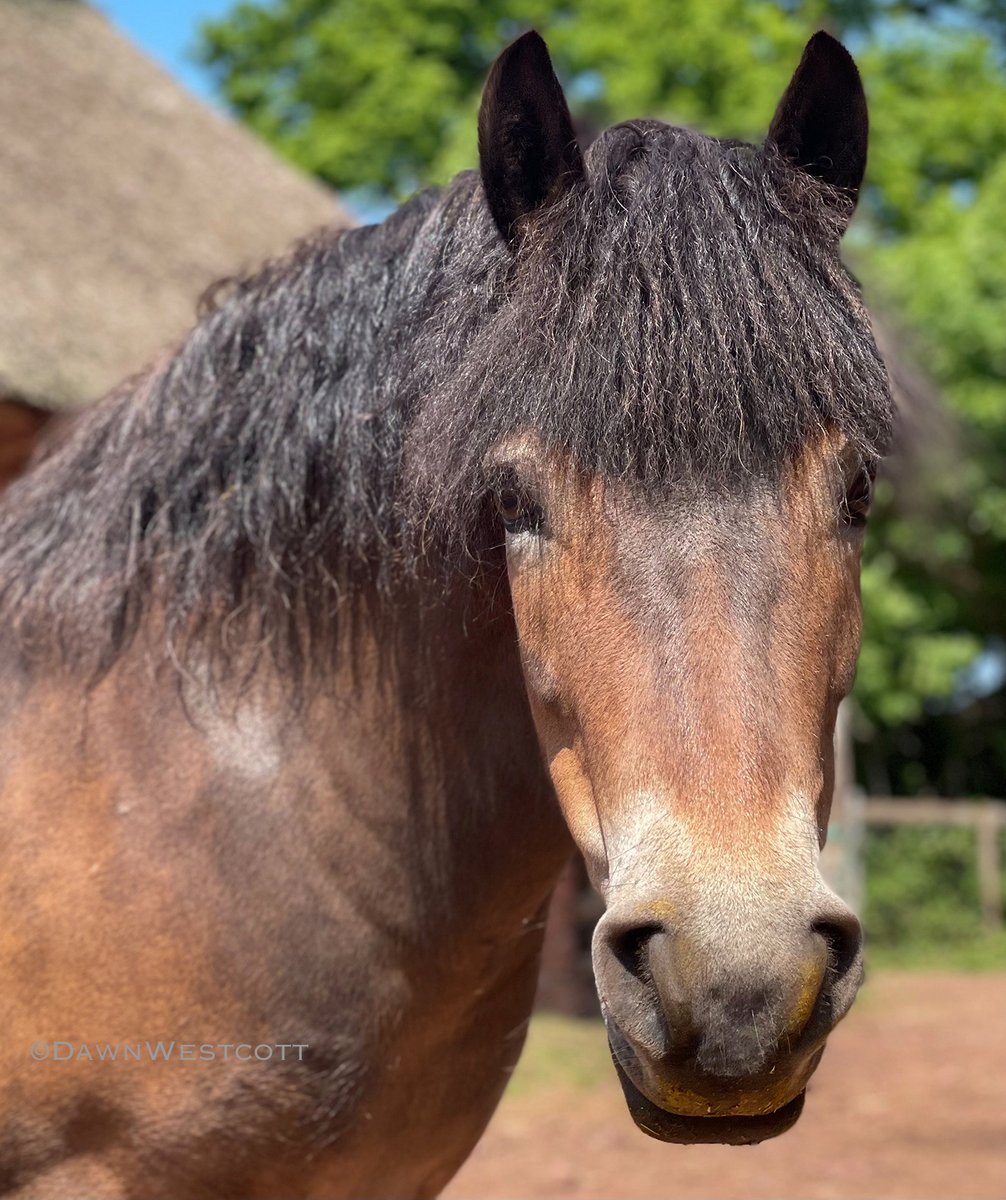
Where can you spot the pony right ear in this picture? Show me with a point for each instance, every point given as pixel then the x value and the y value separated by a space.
pixel 821 123
pixel 528 151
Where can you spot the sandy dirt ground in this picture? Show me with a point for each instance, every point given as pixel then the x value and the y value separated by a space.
pixel 909 1103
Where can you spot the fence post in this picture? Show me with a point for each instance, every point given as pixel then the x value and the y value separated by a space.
pixel 842 857
pixel 989 868
pixel 559 982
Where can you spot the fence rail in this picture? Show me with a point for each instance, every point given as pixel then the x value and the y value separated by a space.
pixel 986 817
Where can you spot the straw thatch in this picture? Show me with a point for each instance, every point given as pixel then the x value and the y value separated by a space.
pixel 121 198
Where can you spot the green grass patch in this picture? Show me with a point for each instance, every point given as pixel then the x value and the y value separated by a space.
pixel 974 952
pixel 565 1053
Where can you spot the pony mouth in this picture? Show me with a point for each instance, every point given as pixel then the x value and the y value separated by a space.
pixel 667 1126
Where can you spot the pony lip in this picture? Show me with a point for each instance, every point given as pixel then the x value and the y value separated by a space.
pixel 712 1130
pixel 720 1122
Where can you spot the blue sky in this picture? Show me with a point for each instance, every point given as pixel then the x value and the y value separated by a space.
pixel 166 30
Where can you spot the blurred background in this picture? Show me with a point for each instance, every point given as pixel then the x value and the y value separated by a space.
pixel 146 148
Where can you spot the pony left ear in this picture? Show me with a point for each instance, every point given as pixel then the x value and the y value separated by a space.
pixel 528 151
pixel 821 122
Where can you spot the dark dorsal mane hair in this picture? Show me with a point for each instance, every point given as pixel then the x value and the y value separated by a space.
pixel 679 316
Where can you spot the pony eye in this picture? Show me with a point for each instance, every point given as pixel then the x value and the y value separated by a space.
pixel 518 511
pixel 509 505
pixel 858 496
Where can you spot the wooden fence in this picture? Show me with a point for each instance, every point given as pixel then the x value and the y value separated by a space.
pixel 986 817
pixel 852 812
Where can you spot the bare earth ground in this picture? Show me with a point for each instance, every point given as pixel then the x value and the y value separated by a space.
pixel 909 1103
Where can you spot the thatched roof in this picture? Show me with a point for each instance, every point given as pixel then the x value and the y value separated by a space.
pixel 121 198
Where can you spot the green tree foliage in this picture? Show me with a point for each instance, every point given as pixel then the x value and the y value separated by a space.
pixel 381 95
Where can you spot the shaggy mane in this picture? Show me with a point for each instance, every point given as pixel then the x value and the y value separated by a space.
pixel 681 314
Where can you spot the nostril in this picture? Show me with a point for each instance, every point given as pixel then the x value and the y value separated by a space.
pixel 630 946
pixel 631 966
pixel 843 937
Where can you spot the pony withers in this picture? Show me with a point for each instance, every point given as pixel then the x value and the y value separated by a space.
pixel 530 517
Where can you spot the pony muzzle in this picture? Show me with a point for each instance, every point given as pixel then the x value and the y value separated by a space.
pixel 727 1032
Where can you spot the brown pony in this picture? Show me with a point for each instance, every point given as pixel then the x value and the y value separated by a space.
pixel 535 511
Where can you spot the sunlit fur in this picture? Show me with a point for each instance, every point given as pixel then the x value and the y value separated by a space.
pixel 680 315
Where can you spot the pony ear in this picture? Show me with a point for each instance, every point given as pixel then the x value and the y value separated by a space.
pixel 821 122
pixel 528 151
